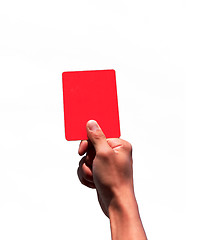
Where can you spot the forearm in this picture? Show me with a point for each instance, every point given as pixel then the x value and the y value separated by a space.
pixel 125 219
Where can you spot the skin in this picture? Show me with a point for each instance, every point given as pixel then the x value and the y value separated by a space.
pixel 108 167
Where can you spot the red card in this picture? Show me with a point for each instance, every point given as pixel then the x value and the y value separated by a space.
pixel 90 95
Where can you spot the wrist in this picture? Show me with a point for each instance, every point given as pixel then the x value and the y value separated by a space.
pixel 124 204
pixel 123 198
pixel 124 217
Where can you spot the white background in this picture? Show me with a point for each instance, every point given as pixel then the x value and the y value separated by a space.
pixel 152 45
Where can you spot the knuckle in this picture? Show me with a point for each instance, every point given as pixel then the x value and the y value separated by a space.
pixel 79 174
pixel 105 153
pixel 128 146
pixel 83 181
pixel 81 178
pixel 82 161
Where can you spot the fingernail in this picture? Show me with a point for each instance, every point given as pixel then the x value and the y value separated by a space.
pixel 92 125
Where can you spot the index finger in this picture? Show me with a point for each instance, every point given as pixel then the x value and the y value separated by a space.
pixel 83 146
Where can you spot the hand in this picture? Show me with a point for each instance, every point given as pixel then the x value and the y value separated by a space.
pixel 107 167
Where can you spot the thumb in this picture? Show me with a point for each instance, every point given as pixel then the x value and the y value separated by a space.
pixel 96 136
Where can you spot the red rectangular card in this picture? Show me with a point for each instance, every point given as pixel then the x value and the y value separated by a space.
pixel 90 95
